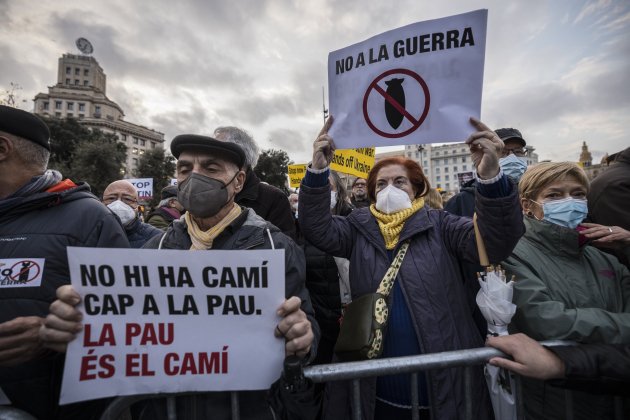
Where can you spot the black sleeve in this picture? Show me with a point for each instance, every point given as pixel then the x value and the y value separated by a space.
pixel 596 368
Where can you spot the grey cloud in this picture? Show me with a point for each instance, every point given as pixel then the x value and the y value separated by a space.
pixel 288 140
pixel 257 110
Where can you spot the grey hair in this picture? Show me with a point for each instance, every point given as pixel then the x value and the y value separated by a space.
pixel 165 201
pixel 242 138
pixel 29 152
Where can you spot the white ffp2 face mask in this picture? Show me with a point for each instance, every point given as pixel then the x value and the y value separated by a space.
pixel 125 212
pixel 391 199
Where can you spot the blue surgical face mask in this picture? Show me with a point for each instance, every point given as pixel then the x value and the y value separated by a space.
pixel 568 212
pixel 513 166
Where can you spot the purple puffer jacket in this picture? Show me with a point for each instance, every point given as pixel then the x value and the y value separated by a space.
pixel 430 279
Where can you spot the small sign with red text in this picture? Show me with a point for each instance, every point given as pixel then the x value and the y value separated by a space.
pixel 169 321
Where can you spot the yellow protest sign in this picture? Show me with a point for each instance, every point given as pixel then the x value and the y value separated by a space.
pixel 296 173
pixel 357 162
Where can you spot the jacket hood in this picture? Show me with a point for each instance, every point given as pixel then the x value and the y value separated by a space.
pixel 48 199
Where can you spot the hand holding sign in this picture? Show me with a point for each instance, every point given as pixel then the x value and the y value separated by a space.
pixel 323 147
pixel 295 327
pixel 19 341
pixel 63 321
pixel 485 149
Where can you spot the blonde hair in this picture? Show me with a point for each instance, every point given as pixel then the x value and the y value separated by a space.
pixel 434 199
pixel 537 177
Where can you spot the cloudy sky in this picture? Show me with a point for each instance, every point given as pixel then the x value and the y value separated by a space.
pixel 558 70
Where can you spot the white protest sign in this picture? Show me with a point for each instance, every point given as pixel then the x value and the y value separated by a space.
pixel 174 321
pixel 173 181
pixel 144 187
pixel 412 85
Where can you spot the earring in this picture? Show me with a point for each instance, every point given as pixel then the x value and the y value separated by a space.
pixel 529 213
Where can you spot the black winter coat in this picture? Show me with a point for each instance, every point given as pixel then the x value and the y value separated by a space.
pixel 248 231
pixel 268 202
pixel 42 226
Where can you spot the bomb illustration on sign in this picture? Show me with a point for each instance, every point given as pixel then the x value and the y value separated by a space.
pixel 405 99
pixel 397 92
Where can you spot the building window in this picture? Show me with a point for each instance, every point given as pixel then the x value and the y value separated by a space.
pixel 445 161
pixel 70 106
pixel 454 168
pixel 67 81
pixel 134 150
pixel 68 70
pixel 142 151
pixel 437 178
pixel 81 116
pixel 81 107
pixel 57 114
pixel 446 177
pixel 69 115
pixel 464 167
pixel 437 170
pixel 439 186
pixel 45 106
pixel 464 159
pixel 453 151
pixel 426 163
pixel 123 137
pixel 135 161
pixel 76 82
pixel 417 155
pixel 136 140
pixel 153 145
pixel 97 109
pixel 77 71
pixel 446 169
pixel 85 83
pixel 58 104
pixel 437 153
pixel 448 185
pixel 454 160
pixel 86 72
pixel 142 142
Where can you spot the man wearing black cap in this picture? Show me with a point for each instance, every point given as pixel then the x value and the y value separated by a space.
pixel 168 209
pixel 40 215
pixel 209 176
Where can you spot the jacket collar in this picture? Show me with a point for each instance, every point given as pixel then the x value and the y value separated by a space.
pixel 556 239
pixel 250 189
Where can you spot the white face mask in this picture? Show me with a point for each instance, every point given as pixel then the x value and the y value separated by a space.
pixel 333 199
pixel 125 212
pixel 391 199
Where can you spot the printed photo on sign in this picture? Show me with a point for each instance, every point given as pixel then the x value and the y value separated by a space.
pixel 159 321
pixel 21 272
pixel 412 85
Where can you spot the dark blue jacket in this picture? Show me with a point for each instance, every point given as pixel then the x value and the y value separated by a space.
pixel 431 281
pixel 138 233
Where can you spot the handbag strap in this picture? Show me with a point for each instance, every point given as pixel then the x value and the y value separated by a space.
pixel 390 276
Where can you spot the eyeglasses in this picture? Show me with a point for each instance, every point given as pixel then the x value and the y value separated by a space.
pixel 517 152
pixel 130 201
pixel 359 186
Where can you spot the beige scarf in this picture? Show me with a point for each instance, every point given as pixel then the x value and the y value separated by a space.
pixel 391 224
pixel 203 239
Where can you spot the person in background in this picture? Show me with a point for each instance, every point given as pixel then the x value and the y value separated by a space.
pixel 209 176
pixel 512 164
pixel 608 201
pixel 267 201
pixel 121 197
pixel 168 209
pixel 41 214
pixel 359 193
pixel 434 199
pixel 597 368
pixel 293 201
pixel 323 277
pixel 428 312
pixel 564 289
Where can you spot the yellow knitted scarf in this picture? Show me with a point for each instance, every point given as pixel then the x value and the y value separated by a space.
pixel 391 224
pixel 203 239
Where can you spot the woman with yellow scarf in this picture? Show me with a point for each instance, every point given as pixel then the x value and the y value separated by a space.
pixel 428 308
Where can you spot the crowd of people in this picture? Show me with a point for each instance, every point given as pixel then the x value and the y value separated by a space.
pixel 566 242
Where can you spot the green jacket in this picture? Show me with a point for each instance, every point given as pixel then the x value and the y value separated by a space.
pixel 570 292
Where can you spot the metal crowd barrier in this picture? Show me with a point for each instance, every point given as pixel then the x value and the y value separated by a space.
pixel 354 371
